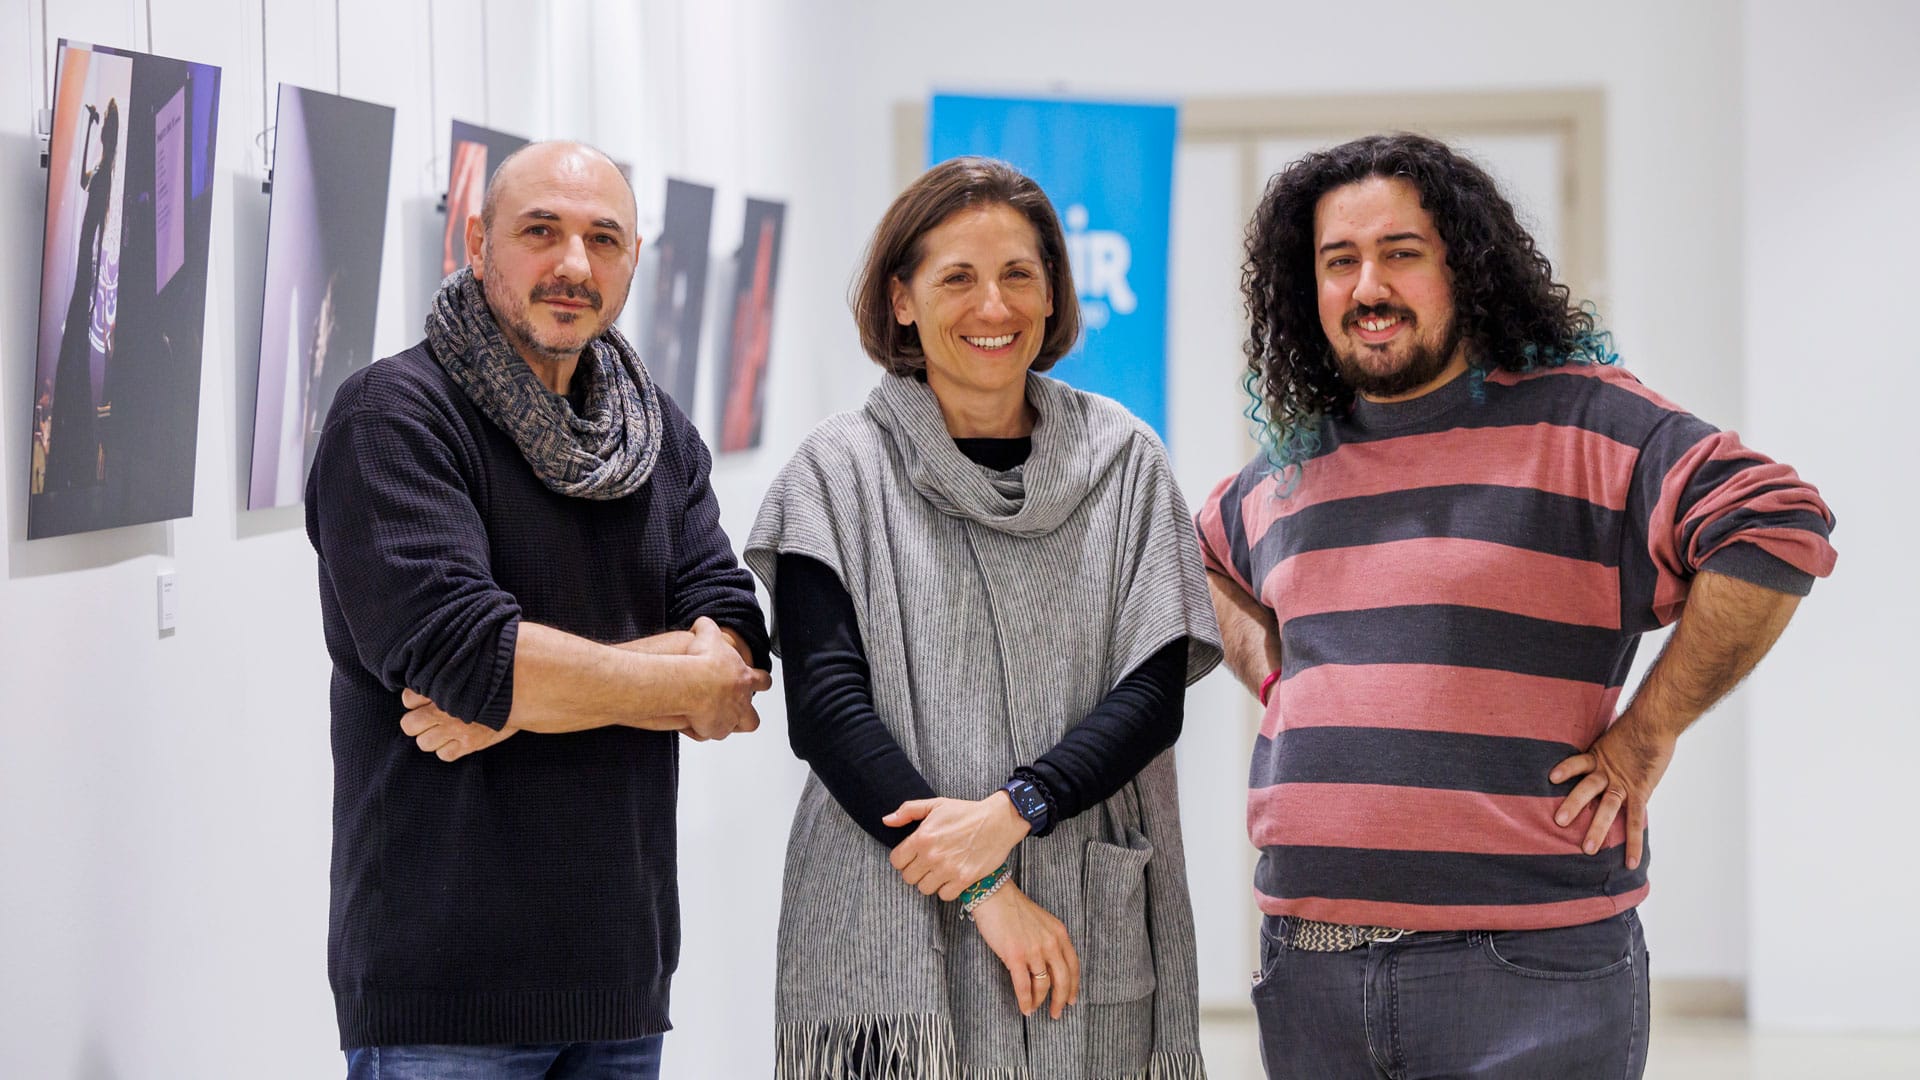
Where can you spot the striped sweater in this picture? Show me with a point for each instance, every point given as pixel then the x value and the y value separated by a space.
pixel 1460 582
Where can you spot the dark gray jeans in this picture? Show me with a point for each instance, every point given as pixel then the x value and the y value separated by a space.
pixel 1568 1003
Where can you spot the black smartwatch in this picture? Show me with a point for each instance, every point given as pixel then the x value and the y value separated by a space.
pixel 1032 803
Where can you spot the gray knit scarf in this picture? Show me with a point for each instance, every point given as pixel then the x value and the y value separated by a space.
pixel 607 453
pixel 996 610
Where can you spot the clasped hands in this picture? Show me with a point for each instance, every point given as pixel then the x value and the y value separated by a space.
pixel 960 841
pixel 721 694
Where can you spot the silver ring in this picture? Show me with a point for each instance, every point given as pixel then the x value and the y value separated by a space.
pixel 1037 975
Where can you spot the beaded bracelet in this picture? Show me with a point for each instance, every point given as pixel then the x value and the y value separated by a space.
pixel 975 894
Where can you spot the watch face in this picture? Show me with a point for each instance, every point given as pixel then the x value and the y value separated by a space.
pixel 1026 799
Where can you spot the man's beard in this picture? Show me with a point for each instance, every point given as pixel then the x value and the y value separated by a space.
pixel 1424 363
pixel 514 316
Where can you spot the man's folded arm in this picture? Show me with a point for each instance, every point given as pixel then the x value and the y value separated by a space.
pixel 405 551
pixel 563 682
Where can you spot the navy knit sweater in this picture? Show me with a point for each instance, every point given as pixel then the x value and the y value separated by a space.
pixel 525 893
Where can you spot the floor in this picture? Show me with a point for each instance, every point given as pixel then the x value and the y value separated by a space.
pixel 1683 1049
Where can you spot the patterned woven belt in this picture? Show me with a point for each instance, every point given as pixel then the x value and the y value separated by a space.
pixel 1307 935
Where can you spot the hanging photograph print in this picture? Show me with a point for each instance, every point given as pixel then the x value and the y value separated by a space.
pixel 743 385
pixel 123 288
pixel 671 346
pixel 476 152
pixel 1108 168
pixel 325 226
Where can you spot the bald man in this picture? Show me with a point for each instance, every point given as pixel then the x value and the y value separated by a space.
pixel 516 535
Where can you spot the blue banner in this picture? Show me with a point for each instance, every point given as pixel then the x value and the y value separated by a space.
pixel 1109 170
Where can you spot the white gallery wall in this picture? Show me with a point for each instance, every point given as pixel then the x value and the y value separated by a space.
pixel 1831 169
pixel 165 800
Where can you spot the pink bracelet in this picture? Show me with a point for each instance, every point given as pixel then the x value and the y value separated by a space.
pixel 1267 685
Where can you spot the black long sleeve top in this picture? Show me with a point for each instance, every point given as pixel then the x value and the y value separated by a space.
pixel 524 893
pixel 833 726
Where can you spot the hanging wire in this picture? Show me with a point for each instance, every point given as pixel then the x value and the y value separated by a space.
pixel 336 46
pixel 433 80
pixel 433 111
pixel 266 109
pixel 149 27
pixel 553 77
pixel 681 98
pixel 486 92
pixel 43 116
pixel 43 123
pixel 266 116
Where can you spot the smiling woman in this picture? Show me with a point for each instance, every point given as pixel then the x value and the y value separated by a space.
pixel 979 303
pixel 990 603
pixel 966 194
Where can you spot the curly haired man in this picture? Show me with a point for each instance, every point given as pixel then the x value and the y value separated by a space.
pixel 1434 578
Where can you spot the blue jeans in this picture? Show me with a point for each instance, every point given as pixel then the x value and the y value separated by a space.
pixel 628 1059
pixel 1569 1003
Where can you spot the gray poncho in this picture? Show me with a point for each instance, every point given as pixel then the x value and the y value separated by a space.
pixel 996 610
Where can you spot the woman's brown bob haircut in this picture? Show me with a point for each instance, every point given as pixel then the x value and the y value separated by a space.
pixel 963 183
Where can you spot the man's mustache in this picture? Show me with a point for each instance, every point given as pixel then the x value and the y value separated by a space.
pixel 582 293
pixel 1375 311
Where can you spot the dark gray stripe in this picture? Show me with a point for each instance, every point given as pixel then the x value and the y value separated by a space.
pixel 1235 528
pixel 1639 576
pixel 1445 877
pixel 1489 764
pixel 1623 662
pixel 1716 532
pixel 1752 564
pixel 1455 636
pixel 1668 442
pixel 1525 518
pixel 1575 401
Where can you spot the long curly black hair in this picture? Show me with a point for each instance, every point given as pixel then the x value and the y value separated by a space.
pixel 1508 310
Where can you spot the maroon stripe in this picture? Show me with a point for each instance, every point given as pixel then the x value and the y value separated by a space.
pixel 1259 508
pixel 1446 570
pixel 1415 819
pixel 1561 460
pixel 1452 917
pixel 1663 530
pixel 1434 697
